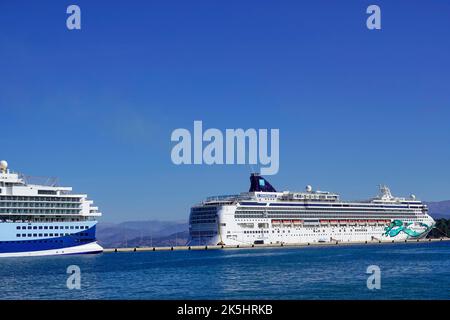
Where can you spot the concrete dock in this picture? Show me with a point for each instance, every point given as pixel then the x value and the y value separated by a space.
pixel 276 245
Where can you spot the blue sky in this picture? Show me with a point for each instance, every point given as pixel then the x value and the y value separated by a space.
pixel 96 107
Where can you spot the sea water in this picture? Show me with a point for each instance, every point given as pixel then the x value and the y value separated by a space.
pixel 408 271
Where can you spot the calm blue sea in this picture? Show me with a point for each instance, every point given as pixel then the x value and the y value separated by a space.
pixel 408 271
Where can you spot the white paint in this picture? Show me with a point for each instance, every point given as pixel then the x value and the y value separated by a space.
pixel 85 248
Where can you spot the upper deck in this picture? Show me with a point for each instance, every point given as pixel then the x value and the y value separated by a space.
pixel 20 196
pixel 262 193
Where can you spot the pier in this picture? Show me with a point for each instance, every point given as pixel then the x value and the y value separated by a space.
pixel 275 245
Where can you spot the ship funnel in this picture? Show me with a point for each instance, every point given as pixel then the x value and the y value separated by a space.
pixel 258 183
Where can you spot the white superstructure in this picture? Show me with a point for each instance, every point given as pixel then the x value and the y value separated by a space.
pixel 264 215
pixel 43 218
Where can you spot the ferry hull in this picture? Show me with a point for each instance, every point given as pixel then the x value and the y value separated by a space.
pixel 230 231
pixel 331 238
pixel 34 239
pixel 88 248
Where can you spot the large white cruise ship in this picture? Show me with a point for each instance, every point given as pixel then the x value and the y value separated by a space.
pixel 264 215
pixel 44 219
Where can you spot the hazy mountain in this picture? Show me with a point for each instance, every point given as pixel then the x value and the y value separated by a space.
pixel 118 235
pixel 176 239
pixel 440 209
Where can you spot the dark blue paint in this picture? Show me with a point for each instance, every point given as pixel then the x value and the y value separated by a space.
pixel 72 240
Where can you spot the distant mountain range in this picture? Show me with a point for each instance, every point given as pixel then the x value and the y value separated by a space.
pixel 156 233
pixel 142 233
pixel 440 209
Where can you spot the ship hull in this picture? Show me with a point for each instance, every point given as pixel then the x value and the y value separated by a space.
pixel 45 239
pixel 90 248
pixel 227 230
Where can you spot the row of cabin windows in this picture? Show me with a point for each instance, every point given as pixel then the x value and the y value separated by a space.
pixel 199 221
pixel 43 241
pixel 32 241
pixel 40 219
pixel 258 231
pixel 288 231
pixel 24 235
pixel 50 227
pixel 23 198
pixel 38 205
pixel 40 211
pixel 322 216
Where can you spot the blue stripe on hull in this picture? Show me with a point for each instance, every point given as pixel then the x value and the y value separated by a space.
pixel 72 240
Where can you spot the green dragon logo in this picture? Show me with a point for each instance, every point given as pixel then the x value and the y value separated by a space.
pixel 397 226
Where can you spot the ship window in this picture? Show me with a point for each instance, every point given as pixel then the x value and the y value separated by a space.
pixel 40 227
pixel 46 192
pixel 45 234
pixel 34 234
pixel 18 235
pixel 29 235
pixel 18 228
pixel 40 234
pixel 24 235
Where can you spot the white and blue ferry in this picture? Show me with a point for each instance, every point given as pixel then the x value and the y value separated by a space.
pixel 39 219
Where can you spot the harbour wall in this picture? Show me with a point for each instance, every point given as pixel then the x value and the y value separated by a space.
pixel 276 245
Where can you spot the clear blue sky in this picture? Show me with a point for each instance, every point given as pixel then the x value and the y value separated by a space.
pixel 96 107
